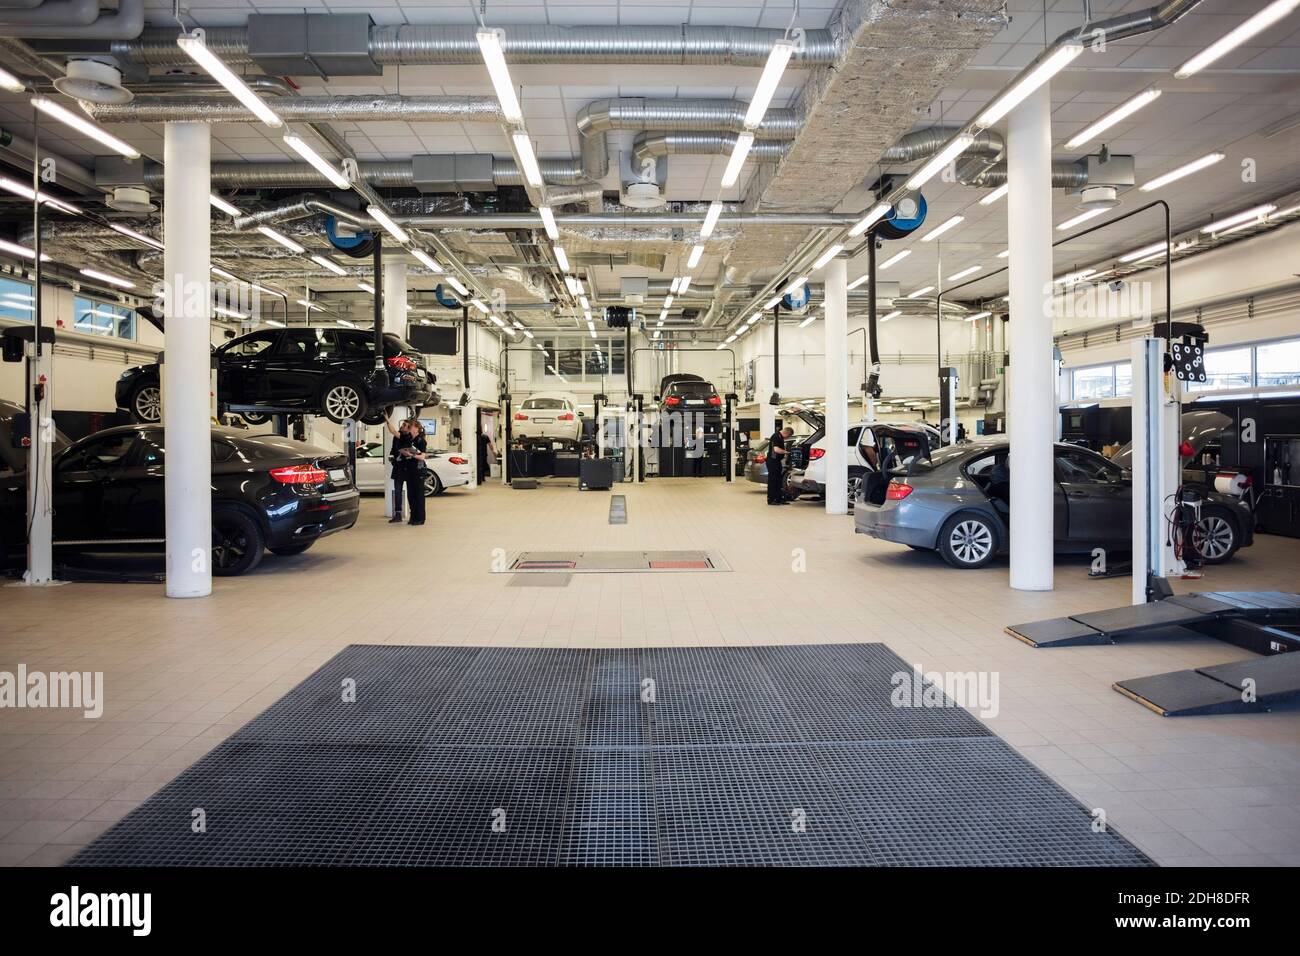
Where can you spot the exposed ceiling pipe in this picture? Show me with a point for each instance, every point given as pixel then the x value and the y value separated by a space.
pixel 648 145
pixel 301 109
pixel 68 174
pixel 125 24
pixel 423 45
pixel 1066 174
pixel 584 221
pixel 19 4
pixel 198 83
pixel 19 54
pixel 600 117
pixel 981 164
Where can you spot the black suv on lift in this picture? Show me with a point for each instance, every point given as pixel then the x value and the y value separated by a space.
pixel 684 392
pixel 315 371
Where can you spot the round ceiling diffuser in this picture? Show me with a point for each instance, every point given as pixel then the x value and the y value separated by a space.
pixel 94 82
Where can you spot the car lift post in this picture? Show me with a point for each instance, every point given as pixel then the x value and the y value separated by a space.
pixel 392 505
pixel 1156 470
pixel 508 431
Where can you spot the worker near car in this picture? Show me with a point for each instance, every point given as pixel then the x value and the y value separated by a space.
pixel 486 455
pixel 407 457
pixel 778 454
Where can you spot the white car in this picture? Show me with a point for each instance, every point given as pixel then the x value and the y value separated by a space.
pixel 808 474
pixel 446 470
pixel 547 416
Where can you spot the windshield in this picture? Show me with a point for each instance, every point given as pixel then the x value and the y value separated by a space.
pixel 692 389
pixel 552 404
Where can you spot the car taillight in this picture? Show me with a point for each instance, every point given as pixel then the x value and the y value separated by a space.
pixel 457 460
pixel 521 417
pixel 1186 450
pixel 816 453
pixel 565 417
pixel 672 400
pixel 401 362
pixel 714 400
pixel 760 459
pixel 897 491
pixel 299 475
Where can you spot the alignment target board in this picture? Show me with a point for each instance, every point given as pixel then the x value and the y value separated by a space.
pixel 756 756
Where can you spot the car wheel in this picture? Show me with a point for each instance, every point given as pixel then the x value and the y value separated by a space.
pixel 237 543
pixel 433 485
pixel 290 550
pixel 146 403
pixel 1216 537
pixel 341 400
pixel 968 540
pixel 377 416
pixel 855 482
pixel 254 418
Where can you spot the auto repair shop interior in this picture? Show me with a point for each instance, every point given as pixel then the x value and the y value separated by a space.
pixel 420 430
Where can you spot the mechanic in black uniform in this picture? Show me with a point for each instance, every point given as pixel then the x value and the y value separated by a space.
pixel 407 456
pixel 777 454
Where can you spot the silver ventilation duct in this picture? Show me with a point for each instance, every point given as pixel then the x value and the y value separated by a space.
pixel 419 45
pixel 75 20
pixel 649 145
pixel 981 163
pixel 301 109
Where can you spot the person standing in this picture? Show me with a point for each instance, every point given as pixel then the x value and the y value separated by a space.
pixel 486 455
pixel 777 453
pixel 408 455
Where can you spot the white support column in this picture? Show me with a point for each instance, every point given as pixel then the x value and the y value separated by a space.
pixel 836 327
pixel 40 430
pixel 1030 425
pixel 187 151
pixel 395 323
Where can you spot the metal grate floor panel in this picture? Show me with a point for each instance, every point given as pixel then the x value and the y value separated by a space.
pixel 708 756
pixel 613 562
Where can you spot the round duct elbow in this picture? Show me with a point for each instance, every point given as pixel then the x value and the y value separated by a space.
pixel 93 82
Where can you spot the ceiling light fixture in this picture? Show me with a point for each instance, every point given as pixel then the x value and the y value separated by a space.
pixel 994 196
pixel 940 160
pixel 672 286
pixel 807 322
pixel 858 281
pixel 21 189
pixel 977 316
pixel 561 258
pixel 196 50
pixel 827 256
pixel 739 153
pixel 1144 252
pixel 1123 111
pixel 366 287
pixel 1004 253
pixel 892 315
pixel 84 126
pixel 548 222
pixel 494 58
pixel 329 264
pixel 968 271
pixel 773 302
pixel 480 305
pixel 528 159
pixel 943 227
pixel 798 283
pixel 684 285
pixel 426 260
pixel 1070 278
pixel 308 304
pixel 11 83
pixel 1187 169
pixel 457 285
pixel 224 206
pixel 281 239
pixel 1082 217
pixel 754 318
pixel 710 219
pixel 393 229
pixel 777 58
pixel 1241 218
pixel 137 236
pixel 110 279
pixel 870 219
pixel 228 312
pixel 316 160
pixel 895 258
pixel 1234 38
pixel 693 259
pixel 582 301
pixel 1027 84
pixel 920 292
pixel 668 302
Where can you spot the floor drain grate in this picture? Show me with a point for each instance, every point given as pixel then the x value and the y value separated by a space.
pixel 596 562
pixel 706 756
pixel 618 509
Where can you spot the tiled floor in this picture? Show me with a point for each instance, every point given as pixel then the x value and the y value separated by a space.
pixel 182 675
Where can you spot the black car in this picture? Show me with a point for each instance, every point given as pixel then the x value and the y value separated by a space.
pixel 314 371
pixel 683 392
pixel 268 493
pixel 15 438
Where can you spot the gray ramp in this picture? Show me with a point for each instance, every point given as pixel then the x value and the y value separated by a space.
pixel 1276 678
pixel 1264 600
pixel 1119 621
pixel 1185 693
pixel 1058 632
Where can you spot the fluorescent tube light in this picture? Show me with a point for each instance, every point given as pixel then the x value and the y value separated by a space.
pixel 481 306
pixel 1004 253
pixel 494 58
pixel 1082 217
pixel 977 316
pixel 677 281
pixel 228 312
pixel 11 83
pixel 739 153
pixel 222 205
pixel 943 227
pixel 457 285
pixel 281 239
pixel 870 219
pixel 796 284
pixel 329 264
pixel 895 259
pixel 137 236
pixel 561 258
pixel 693 259
pixel 1234 38
pixel 859 280
pixel 773 302
pixel 528 159
pixel 684 285
pixel 205 58
pixel 808 321
pixel 920 292
pixel 892 315
pixel 940 160
pixel 110 279
pixel 827 256
pixel 754 318
pixel 994 196
pixel 969 271
pixel 1123 111
pixel 84 126
pixel 366 287
pixel 710 219
pixel 308 304
pixel 1028 83
pixel 390 227
pixel 1241 218
pixel 548 222
pixel 426 260
pixel 582 301
pixel 316 161
pixel 1145 251
pixel 777 58
pixel 1187 169
pixel 22 189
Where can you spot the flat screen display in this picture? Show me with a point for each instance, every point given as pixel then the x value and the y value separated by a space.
pixel 432 339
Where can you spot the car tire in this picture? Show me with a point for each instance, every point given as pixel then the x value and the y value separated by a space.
pixel 289 551
pixel 433 485
pixel 145 403
pixel 968 540
pixel 237 543
pixel 377 416
pixel 342 399
pixel 1217 536
pixel 253 418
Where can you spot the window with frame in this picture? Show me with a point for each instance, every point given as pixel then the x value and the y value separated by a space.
pixel 17 301
pixel 1227 368
pixel 1095 382
pixel 95 317
pixel 579 358
pixel 1278 363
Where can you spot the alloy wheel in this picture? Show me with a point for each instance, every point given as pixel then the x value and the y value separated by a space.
pixel 971 541
pixel 148 404
pixel 1213 537
pixel 342 402
pixel 229 545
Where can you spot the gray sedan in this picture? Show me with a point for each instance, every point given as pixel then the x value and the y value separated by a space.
pixel 956 501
